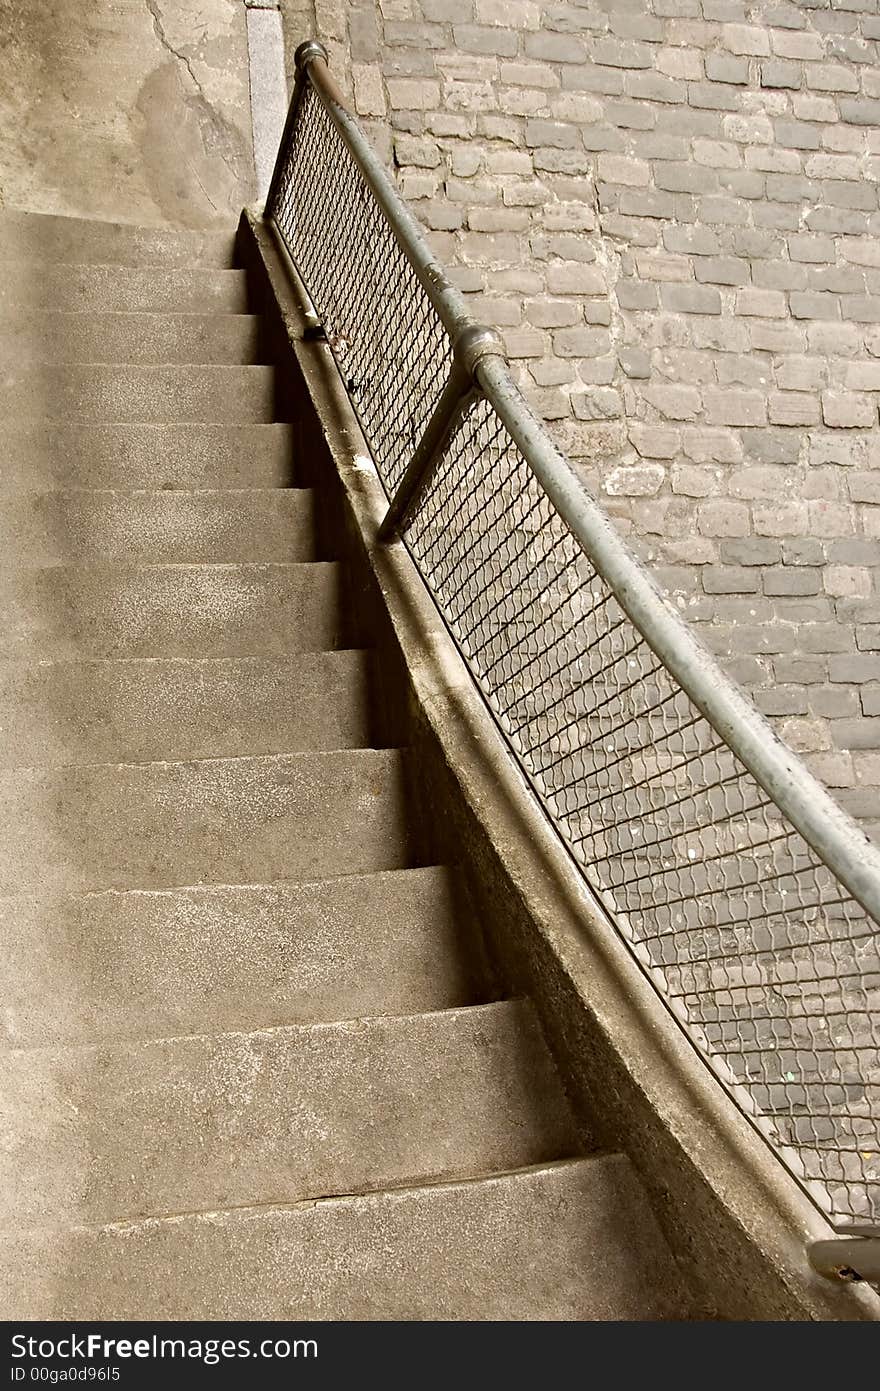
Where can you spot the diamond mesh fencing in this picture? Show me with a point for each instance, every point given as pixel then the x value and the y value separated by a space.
pixel 770 965
pixel 392 349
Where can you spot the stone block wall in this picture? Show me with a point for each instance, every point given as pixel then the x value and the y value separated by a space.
pixel 670 209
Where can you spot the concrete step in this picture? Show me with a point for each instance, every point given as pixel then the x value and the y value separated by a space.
pixel 69 612
pixel 148 963
pixel 126 338
pixel 221 821
pixel 44 237
pixel 36 454
pixel 61 713
pixel 108 394
pixel 100 526
pixel 231 1120
pixel 563 1242
pixel 50 287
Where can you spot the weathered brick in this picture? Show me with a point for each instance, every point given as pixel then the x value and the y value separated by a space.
pixel 746 38
pixel 654 441
pixel 631 295
pixel 614 53
pixel 864 487
pixel 575 278
pixel 550 313
pixel 834 702
pixel 735 407
pixel 722 270
pixel 675 402
pixel 844 410
pixel 408 95
pixel 831 77
pixel 796 45
pixel 764 304
pixel 862 111
pixel 779 73
pixel 555 48
pixel 720 67
pixel 495 220
pixel 635 480
pixel 717 154
pixel 792 408
pixel 847 581
pixel 653 86
pixel 478 38
pixel 684 178
pixel 417 151
pixel 635 362
pixel 601 403
pixel 802 374
pixel 617 169
pixel 577 107
pixel 516 14
pixel 529 75
pixel 555 134
pixel 581 342
pixel 691 299
pixel 693 481
pixel 863 309
pixel 444 11
pixel 692 240
pixel 787 581
pixel 855 734
pixel 723 517
pixel 809 305
pixel 782 700
pixel 729 579
pixel 806 736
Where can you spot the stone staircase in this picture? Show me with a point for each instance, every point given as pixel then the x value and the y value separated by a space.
pixel 253 1066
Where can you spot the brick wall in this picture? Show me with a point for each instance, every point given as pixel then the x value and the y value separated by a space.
pixel 670 209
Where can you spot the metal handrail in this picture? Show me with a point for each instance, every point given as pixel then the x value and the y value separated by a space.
pixel 416 448
pixel 838 841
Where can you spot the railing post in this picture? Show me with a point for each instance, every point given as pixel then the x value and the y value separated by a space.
pixel 469 347
pixel 303 56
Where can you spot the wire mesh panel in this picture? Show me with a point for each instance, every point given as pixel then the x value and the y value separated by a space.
pixel 392 349
pixel 774 969
pixel 768 962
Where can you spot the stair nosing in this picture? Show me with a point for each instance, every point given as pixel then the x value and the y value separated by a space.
pixel 395 750
pixel 358 1023
pixel 219 887
pixel 124 1224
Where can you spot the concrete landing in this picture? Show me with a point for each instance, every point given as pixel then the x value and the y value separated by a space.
pixel 134 110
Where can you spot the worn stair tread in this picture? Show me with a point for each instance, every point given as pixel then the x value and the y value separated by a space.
pixel 156 825
pixel 564 1242
pixel 51 285
pixel 169 1125
pixel 49 237
pixel 37 454
pixel 116 394
pixel 147 963
pixel 146 709
pixel 81 337
pixel 155 526
pixel 67 611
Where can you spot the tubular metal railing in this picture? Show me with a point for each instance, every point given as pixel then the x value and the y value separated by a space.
pixel 741 887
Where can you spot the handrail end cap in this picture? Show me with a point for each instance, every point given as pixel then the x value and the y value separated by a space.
pixel 307 51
